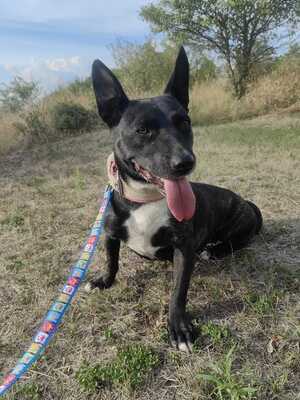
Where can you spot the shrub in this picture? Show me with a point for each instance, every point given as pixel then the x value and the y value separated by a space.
pixel 34 125
pixel 73 118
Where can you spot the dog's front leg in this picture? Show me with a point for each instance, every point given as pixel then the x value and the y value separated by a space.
pixel 180 329
pixel 106 279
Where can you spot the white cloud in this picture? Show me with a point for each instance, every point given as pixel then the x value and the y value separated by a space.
pixel 52 73
pixel 63 64
pixel 63 36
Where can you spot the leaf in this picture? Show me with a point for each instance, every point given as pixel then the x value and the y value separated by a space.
pixel 274 344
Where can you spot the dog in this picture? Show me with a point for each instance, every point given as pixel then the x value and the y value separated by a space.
pixel 155 210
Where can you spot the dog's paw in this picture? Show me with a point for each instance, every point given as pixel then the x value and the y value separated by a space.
pixel 101 282
pixel 181 334
pixel 205 255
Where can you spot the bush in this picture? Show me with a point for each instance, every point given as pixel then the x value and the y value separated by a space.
pixel 73 118
pixel 34 125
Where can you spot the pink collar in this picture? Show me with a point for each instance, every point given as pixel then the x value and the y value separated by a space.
pixel 146 193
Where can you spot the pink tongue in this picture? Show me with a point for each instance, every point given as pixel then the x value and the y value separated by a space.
pixel 180 198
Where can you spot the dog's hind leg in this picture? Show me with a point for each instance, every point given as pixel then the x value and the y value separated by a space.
pixel 226 248
pixel 239 233
pixel 258 214
pixel 106 279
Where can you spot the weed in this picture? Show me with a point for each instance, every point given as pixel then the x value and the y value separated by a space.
pixel 30 391
pixel 164 335
pixel 130 367
pixel 217 333
pixel 14 220
pixel 223 383
pixel 16 265
pixel 176 358
pixel 263 304
pixel 276 384
pixel 108 334
pixel 79 180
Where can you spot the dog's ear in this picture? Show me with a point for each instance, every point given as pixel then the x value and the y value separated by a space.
pixel 178 85
pixel 110 96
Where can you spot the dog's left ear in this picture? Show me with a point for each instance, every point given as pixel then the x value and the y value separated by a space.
pixel 178 85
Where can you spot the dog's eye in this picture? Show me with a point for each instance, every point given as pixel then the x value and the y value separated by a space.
pixel 143 131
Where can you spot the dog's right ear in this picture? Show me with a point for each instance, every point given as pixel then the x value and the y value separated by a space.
pixel 110 96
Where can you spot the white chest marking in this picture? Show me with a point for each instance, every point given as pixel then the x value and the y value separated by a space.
pixel 143 223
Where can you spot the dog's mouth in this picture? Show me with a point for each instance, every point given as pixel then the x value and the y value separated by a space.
pixel 178 192
pixel 149 177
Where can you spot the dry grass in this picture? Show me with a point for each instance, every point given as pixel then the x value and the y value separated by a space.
pixel 213 102
pixel 10 138
pixel 49 199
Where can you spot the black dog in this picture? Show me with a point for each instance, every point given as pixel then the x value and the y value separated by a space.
pixel 152 156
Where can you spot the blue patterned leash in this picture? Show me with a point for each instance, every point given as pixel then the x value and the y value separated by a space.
pixel 59 307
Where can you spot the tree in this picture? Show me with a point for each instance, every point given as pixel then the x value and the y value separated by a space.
pixel 202 68
pixel 232 28
pixel 143 67
pixel 17 94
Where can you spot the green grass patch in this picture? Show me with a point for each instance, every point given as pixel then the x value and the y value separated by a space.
pixel 14 220
pixel 212 335
pixel 29 391
pixel 130 367
pixel 263 304
pixel 217 334
pixel 223 383
pixel 243 134
pixel 16 265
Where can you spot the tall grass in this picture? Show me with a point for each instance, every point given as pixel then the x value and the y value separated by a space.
pixel 10 137
pixel 213 102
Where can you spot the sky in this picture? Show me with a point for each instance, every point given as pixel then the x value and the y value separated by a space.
pixel 55 41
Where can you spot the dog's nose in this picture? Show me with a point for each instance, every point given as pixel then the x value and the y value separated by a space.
pixel 183 164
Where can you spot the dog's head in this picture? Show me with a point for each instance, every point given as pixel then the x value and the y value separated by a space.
pixel 153 137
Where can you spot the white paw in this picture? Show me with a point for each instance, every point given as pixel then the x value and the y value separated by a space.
pixel 205 255
pixel 185 347
pixel 88 288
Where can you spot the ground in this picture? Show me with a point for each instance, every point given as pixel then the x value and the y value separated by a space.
pixel 246 307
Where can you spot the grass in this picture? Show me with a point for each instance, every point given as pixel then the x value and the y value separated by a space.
pixel 130 367
pixel 49 197
pixel 213 102
pixel 216 333
pixel 10 138
pixel 223 384
pixel 29 392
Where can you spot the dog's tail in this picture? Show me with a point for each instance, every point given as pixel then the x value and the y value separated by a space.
pixel 258 216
